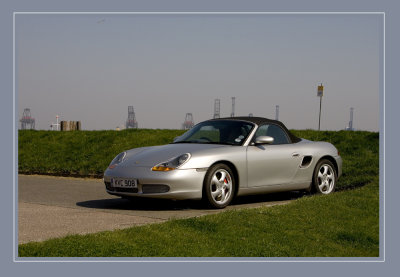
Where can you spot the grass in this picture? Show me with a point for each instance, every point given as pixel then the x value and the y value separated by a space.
pixel 81 153
pixel 88 153
pixel 343 224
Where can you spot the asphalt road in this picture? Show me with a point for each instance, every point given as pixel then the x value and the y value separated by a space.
pixel 50 207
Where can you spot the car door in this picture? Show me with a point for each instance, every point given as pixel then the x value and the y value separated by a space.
pixel 272 164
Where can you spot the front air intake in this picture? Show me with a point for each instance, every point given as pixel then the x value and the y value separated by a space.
pixel 155 188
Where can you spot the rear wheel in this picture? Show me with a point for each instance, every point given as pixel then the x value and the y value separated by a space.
pixel 325 176
pixel 219 186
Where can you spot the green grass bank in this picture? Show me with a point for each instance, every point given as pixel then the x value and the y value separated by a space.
pixel 81 153
pixel 88 153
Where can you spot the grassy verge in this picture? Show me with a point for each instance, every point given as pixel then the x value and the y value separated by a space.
pixel 344 224
pixel 88 153
pixel 81 153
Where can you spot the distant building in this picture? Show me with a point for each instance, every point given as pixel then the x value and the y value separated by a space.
pixel 217 106
pixel 131 120
pixel 27 121
pixel 188 123
pixel 350 127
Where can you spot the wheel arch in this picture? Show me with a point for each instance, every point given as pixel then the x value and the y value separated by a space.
pixel 332 160
pixel 234 171
pixel 313 185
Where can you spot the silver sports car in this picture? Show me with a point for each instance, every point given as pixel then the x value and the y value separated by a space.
pixel 219 159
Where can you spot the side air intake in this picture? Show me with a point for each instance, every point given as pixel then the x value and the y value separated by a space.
pixel 306 161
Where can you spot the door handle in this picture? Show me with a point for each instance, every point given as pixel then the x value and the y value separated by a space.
pixel 294 155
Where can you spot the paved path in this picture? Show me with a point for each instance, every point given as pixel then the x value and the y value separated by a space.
pixel 50 207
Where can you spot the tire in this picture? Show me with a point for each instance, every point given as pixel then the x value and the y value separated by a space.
pixel 324 177
pixel 219 186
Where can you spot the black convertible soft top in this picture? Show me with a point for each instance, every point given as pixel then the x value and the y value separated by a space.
pixel 262 120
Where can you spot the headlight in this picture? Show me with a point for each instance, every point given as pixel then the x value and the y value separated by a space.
pixel 117 160
pixel 172 164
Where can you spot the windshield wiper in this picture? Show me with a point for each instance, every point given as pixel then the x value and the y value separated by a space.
pixel 214 142
pixel 203 142
pixel 184 141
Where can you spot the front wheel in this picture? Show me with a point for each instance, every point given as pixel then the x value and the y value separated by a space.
pixel 325 176
pixel 219 186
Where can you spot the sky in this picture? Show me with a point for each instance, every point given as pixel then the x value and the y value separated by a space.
pixel 91 67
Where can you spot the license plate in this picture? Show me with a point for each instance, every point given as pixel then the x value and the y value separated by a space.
pixel 123 183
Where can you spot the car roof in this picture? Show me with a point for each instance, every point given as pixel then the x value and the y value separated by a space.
pixel 260 121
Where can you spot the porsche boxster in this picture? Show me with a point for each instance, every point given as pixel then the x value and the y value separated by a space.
pixel 220 159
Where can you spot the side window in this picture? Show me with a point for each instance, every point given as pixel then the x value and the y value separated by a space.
pixel 261 131
pixel 274 131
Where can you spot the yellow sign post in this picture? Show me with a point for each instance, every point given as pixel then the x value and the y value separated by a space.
pixel 320 93
pixel 320 90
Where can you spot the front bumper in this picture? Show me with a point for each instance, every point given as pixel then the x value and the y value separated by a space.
pixel 177 184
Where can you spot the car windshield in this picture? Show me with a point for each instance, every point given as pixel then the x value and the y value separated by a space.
pixel 228 132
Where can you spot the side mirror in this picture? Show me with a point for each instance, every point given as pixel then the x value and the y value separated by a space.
pixel 264 140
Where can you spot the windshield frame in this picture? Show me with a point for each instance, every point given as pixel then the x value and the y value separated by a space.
pixel 199 125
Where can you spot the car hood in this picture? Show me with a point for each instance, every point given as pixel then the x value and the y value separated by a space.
pixel 150 156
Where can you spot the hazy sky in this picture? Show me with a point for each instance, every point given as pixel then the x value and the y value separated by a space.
pixel 91 67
